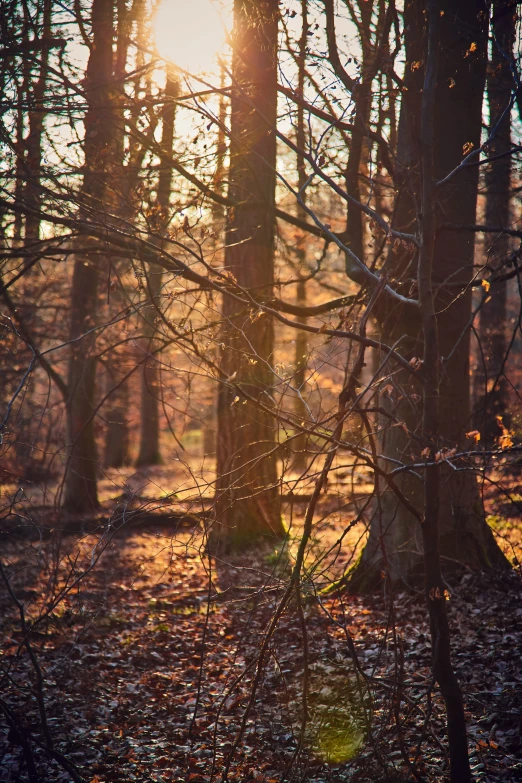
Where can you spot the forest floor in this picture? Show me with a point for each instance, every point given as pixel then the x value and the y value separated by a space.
pixel 148 665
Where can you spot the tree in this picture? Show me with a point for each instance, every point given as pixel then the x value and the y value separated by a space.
pixel 117 440
pixel 149 452
pixel 30 191
pixel 301 341
pixel 395 545
pixel 100 128
pixel 247 490
pixel 490 381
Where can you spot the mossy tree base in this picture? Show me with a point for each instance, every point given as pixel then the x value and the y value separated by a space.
pixel 394 548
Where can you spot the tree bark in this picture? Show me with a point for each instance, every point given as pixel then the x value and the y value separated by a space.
pixel 30 190
pixel 116 451
pixel 434 585
pixel 247 491
pixel 150 452
pixel 491 383
pixel 301 339
pixel 218 212
pixel 36 125
pixel 117 435
pixel 395 544
pixel 81 470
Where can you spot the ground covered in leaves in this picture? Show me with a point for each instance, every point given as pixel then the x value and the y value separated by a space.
pixel 150 668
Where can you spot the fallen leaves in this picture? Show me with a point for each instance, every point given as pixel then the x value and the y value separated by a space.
pixel 127 672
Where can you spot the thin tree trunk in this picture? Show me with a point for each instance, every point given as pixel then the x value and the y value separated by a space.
pixel 80 480
pixel 218 223
pixel 491 384
pixel 34 139
pixel 117 436
pixel 29 189
pixel 150 452
pixel 247 492
pixel 301 339
pixel 20 147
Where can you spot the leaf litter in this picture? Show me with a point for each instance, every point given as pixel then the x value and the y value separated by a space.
pixel 148 673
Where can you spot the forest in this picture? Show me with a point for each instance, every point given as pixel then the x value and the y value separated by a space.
pixel 260 400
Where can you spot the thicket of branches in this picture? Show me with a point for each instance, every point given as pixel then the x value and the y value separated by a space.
pixel 299 272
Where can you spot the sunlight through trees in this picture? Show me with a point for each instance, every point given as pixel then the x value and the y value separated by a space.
pixel 261 422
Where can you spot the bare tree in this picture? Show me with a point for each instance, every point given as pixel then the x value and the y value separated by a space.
pixel 464 535
pixel 247 491
pixel 100 128
pixel 149 451
pixel 301 341
pixel 490 381
pixel 116 451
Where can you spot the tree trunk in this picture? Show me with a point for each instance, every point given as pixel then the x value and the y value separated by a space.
pixel 491 384
pixel 395 545
pixel 30 189
pixel 80 480
pixel 247 491
pixel 117 436
pixel 150 453
pixel 300 442
pixel 34 139
pixel 434 586
pixel 301 339
pixel 209 422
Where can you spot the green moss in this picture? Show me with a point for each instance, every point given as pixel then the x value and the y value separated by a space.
pixel 342 582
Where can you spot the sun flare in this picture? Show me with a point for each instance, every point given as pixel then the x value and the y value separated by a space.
pixel 189 33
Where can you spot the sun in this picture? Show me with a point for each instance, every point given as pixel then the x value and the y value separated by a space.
pixel 189 34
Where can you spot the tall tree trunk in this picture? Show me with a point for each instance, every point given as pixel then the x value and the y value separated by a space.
pixel 80 480
pixel 301 338
pixel 247 491
pixel 150 453
pixel 31 191
pixel 491 384
pixel 434 585
pixel 395 542
pixel 117 437
pixel 218 225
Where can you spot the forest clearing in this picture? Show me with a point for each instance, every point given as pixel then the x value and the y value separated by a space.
pixel 260 403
